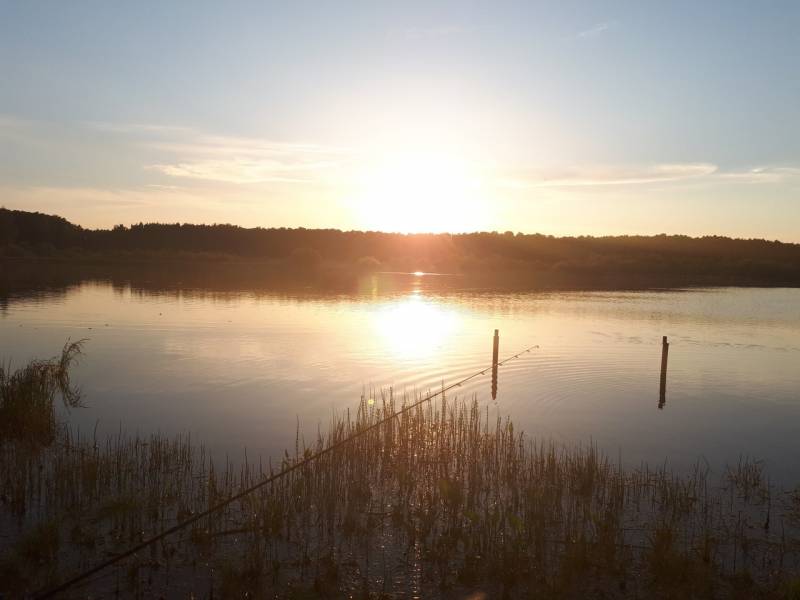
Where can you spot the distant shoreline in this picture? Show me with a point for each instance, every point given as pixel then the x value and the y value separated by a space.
pixel 341 259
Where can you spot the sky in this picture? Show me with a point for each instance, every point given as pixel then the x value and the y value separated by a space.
pixel 564 118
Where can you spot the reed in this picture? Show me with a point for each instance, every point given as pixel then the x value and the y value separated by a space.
pixel 28 395
pixel 438 501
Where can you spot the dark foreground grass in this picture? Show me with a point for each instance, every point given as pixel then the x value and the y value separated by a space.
pixel 28 396
pixel 437 502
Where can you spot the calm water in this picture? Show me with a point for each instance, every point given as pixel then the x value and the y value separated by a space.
pixel 241 369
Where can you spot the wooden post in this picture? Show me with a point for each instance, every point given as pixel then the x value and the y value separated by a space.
pixel 495 356
pixel 662 395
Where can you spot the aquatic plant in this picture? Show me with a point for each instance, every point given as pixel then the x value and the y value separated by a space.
pixel 28 395
pixel 438 500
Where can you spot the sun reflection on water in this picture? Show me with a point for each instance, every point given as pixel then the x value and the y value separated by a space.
pixel 415 327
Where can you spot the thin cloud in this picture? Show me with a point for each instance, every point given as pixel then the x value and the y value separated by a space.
pixel 761 175
pixel 158 186
pixel 595 30
pixel 248 161
pixel 608 176
pixel 138 128
pixel 191 154
pixel 182 153
pixel 706 173
pixel 243 171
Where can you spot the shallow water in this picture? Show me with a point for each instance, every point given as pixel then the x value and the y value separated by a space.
pixel 242 369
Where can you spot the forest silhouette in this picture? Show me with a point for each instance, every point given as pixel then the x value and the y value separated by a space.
pixel 533 260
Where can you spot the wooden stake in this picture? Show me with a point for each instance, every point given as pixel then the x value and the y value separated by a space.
pixel 662 396
pixel 495 355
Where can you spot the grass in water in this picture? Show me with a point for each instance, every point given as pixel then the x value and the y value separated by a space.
pixel 439 501
pixel 28 396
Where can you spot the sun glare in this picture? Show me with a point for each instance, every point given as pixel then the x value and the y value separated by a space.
pixel 414 328
pixel 421 193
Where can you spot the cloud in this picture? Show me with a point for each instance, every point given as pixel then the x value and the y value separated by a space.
pixel 608 175
pixel 165 157
pixel 138 128
pixel 698 173
pixel 761 175
pixel 292 169
pixel 247 161
pixel 595 30
pixel 192 154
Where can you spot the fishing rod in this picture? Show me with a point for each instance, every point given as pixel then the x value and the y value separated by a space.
pixel 220 505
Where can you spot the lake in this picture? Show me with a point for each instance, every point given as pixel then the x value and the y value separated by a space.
pixel 243 369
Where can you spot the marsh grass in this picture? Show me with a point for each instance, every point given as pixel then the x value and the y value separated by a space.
pixel 439 501
pixel 28 396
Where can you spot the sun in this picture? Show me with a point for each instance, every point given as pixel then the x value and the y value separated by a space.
pixel 421 192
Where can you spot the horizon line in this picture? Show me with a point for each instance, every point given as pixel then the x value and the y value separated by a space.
pixel 407 234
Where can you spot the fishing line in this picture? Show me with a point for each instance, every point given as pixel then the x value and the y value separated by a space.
pixel 220 505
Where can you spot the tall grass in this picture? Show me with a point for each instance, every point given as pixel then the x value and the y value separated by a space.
pixel 28 395
pixel 438 501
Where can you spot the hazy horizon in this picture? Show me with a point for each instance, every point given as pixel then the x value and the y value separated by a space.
pixel 362 230
pixel 612 118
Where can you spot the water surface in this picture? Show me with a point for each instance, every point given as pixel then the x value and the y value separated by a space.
pixel 242 369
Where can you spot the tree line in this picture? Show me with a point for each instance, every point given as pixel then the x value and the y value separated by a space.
pixel 674 259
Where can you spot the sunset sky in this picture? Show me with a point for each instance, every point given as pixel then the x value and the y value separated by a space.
pixel 560 117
